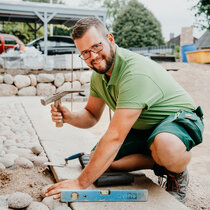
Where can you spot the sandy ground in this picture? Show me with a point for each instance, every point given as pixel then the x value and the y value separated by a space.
pixel 195 78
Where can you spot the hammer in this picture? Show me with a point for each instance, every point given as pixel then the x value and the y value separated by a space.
pixel 56 98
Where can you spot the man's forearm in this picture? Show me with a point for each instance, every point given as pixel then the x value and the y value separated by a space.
pixel 103 156
pixel 82 119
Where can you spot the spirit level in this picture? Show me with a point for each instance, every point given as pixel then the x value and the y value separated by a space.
pixel 106 195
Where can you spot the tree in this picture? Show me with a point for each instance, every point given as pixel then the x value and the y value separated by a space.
pixel 112 7
pixel 47 1
pixel 62 30
pixel 21 30
pixel 202 14
pixel 136 26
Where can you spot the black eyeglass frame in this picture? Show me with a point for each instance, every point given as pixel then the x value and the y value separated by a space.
pixel 91 50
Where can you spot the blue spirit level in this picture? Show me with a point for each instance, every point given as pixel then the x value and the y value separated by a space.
pixel 106 195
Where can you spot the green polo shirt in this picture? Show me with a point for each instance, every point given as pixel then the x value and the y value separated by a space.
pixel 138 82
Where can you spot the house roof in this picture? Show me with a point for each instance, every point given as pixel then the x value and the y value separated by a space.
pixel 176 40
pixel 204 41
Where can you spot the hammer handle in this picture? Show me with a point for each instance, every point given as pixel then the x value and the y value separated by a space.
pixel 56 104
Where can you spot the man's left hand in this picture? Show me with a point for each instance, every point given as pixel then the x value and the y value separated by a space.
pixel 67 184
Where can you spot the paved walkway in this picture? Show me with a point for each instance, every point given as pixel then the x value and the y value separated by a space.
pixel 61 142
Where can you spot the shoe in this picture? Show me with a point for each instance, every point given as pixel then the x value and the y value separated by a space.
pixel 176 185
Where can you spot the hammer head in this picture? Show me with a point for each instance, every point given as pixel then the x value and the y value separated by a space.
pixel 58 96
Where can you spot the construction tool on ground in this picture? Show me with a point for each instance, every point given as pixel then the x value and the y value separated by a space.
pixel 56 98
pixel 72 157
pixel 106 179
pixel 107 195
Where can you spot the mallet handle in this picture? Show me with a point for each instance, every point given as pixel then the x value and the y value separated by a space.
pixel 56 104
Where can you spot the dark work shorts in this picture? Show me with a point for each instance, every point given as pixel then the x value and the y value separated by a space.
pixel 186 125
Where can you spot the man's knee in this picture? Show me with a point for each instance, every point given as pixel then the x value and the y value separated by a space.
pixel 168 147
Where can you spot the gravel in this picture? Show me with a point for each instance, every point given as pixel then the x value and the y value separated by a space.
pixel 37 206
pixel 19 143
pixel 19 200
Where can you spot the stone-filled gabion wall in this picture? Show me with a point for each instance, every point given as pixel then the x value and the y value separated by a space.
pixel 43 84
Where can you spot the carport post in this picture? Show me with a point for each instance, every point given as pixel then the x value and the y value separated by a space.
pixel 45 20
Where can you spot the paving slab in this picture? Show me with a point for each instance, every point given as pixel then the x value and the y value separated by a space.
pixel 62 142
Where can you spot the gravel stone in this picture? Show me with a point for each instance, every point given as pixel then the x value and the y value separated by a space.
pixel 27 91
pixel 37 206
pixel 45 78
pixel 20 151
pixel 44 189
pixel 85 77
pixel 39 161
pixel 59 79
pixel 24 163
pixel 1 79
pixel 2 168
pixel 8 79
pixel 19 200
pixel 33 80
pixel 7 133
pixel 37 150
pixel 86 88
pixel 11 156
pixel 22 81
pixel 3 202
pixel 6 162
pixel 51 203
pixel 45 89
pixel 10 143
pixel 8 90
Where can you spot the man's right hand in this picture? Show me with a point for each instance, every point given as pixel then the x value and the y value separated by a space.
pixel 63 115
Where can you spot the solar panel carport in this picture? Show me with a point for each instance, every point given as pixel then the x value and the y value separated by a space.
pixel 42 13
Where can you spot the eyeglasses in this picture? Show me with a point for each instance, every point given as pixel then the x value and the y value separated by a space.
pixel 95 48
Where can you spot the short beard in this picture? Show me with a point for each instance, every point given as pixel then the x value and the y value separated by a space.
pixel 109 61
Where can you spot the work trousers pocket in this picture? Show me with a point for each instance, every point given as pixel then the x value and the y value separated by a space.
pixel 192 124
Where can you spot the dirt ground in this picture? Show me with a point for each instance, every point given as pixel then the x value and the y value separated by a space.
pixel 195 78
